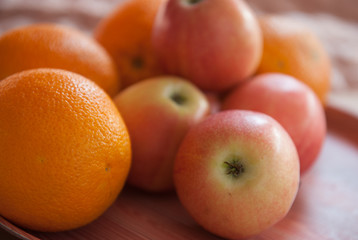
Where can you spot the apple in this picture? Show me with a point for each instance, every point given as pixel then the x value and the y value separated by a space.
pixel 237 173
pixel 158 112
pixel 289 101
pixel 213 43
pixel 214 101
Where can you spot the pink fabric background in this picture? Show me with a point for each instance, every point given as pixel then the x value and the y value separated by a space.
pixel 335 23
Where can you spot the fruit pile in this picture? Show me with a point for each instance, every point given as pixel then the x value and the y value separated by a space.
pixel 204 97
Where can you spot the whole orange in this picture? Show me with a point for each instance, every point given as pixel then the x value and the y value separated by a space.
pixel 65 151
pixel 57 46
pixel 126 34
pixel 293 49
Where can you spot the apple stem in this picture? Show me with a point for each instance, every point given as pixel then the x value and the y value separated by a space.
pixel 234 168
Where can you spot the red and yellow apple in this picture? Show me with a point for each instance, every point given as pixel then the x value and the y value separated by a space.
pixel 158 112
pixel 213 43
pixel 237 173
pixel 289 101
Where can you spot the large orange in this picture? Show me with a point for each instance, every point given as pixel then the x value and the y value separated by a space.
pixel 57 46
pixel 65 151
pixel 126 34
pixel 293 49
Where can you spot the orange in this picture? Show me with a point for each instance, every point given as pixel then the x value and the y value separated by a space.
pixel 57 46
pixel 126 34
pixel 295 50
pixel 65 151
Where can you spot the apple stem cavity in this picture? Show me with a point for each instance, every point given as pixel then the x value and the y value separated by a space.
pixel 193 2
pixel 137 62
pixel 234 168
pixel 178 98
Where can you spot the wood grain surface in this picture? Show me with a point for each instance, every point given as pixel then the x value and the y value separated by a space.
pixel 325 207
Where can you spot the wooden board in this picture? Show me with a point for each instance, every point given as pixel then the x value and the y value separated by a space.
pixel 325 207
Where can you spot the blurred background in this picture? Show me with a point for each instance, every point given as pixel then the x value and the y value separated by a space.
pixel 334 22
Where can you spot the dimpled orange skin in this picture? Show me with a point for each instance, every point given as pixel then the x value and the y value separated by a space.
pixel 57 46
pixel 65 151
pixel 293 49
pixel 126 34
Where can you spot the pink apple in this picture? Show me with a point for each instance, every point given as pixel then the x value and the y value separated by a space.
pixel 214 101
pixel 158 112
pixel 213 43
pixel 237 173
pixel 292 104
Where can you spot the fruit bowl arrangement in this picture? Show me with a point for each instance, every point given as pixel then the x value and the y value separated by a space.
pixel 178 119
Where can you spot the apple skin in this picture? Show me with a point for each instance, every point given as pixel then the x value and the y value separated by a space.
pixel 260 196
pixel 289 101
pixel 214 102
pixel 157 123
pixel 213 43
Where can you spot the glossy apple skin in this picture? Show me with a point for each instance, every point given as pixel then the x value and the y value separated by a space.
pixel 292 104
pixel 156 125
pixel 213 43
pixel 237 208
